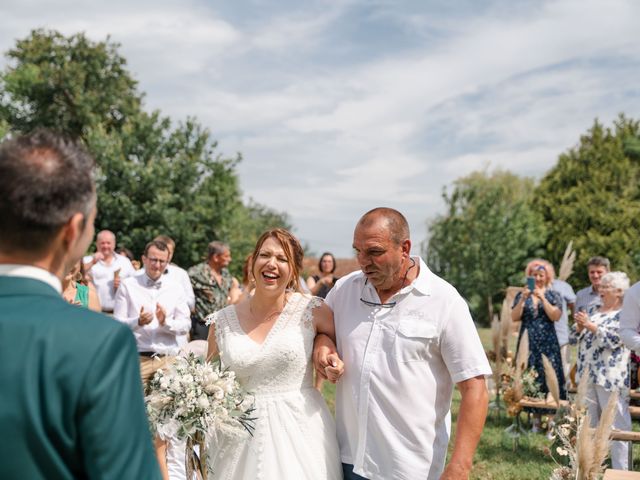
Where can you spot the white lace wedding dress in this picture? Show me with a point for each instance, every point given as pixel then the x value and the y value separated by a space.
pixel 295 436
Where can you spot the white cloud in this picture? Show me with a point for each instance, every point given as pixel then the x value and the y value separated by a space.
pixel 329 126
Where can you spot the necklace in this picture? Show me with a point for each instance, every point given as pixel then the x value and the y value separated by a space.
pixel 267 317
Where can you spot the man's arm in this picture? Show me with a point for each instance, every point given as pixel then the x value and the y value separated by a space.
pixel 121 308
pixel 179 320
pixel 473 412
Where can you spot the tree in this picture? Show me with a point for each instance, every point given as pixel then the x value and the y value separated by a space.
pixel 67 83
pixel 482 242
pixel 152 177
pixel 592 197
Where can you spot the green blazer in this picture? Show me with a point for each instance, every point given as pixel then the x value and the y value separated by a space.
pixel 71 402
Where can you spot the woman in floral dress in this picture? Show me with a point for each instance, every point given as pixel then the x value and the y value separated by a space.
pixel 605 359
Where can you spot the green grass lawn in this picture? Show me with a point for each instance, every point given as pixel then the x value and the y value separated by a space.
pixel 495 459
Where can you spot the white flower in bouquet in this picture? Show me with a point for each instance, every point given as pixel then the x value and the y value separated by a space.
pixel 195 398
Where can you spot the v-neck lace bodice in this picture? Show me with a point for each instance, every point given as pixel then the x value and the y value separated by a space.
pixel 281 362
pixel 294 436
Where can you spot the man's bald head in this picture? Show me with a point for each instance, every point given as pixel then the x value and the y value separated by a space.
pixel 106 234
pixel 106 243
pixel 389 219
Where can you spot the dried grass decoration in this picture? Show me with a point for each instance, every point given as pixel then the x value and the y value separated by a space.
pixel 586 448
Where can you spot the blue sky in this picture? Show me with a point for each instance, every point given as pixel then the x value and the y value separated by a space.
pixel 341 106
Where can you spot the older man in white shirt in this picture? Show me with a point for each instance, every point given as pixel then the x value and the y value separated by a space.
pixel 107 269
pixel 406 338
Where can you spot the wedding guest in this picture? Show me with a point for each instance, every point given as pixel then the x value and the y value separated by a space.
pixel 75 291
pixel 605 360
pixel 71 401
pixel 588 299
pixel 630 318
pixel 125 252
pixel 538 309
pixel 155 309
pixel 267 340
pixel 248 284
pixel 213 286
pixel 406 337
pixel 630 329
pixel 107 269
pixel 177 274
pixel 319 285
pixel 568 299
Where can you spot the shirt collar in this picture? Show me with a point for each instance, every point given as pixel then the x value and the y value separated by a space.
pixel 29 271
pixel 149 282
pixel 422 283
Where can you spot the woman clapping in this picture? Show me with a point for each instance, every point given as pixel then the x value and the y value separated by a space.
pixel 604 359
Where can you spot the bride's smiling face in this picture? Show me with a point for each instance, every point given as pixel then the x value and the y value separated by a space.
pixel 271 268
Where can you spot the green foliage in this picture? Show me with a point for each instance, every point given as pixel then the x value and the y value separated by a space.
pixel 69 84
pixel 153 178
pixel 591 197
pixel 482 242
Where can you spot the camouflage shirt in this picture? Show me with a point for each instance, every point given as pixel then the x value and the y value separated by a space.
pixel 210 296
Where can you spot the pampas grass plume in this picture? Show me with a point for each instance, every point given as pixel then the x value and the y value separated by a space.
pixel 601 435
pixel 522 358
pixel 551 379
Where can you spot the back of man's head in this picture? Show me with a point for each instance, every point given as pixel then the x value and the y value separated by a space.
pixel 46 179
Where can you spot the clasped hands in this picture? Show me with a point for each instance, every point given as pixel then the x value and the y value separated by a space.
pixel 146 317
pixel 582 321
pixel 326 360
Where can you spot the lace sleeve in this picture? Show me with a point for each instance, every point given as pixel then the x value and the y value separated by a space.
pixel 307 316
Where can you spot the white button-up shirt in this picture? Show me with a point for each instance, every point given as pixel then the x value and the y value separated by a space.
pixel 102 276
pixel 140 291
pixel 401 363
pixel 180 276
pixel 29 271
pixel 630 318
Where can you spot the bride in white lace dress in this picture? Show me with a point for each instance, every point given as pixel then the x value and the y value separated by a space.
pixel 267 340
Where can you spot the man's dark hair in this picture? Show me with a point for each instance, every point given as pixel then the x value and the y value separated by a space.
pixel 155 243
pixel 599 262
pixel 45 179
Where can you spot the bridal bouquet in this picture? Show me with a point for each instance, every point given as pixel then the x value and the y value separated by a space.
pixel 196 400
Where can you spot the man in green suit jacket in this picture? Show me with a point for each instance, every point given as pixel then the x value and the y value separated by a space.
pixel 71 402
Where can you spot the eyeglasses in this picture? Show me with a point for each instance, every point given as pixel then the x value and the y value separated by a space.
pixel 374 304
pixel 389 304
pixel 157 260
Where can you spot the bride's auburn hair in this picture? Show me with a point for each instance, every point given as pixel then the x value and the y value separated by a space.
pixel 292 250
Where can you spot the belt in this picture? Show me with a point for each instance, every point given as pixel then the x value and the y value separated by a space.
pixel 151 354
